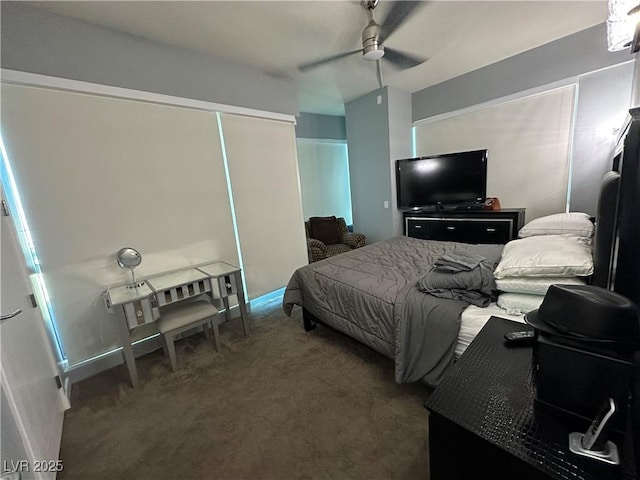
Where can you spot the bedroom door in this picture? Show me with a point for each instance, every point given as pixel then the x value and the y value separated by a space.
pixel 32 404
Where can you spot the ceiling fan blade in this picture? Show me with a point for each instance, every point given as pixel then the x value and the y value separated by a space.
pixel 316 63
pixel 399 12
pixel 402 60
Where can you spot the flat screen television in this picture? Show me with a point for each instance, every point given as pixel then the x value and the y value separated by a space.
pixel 441 180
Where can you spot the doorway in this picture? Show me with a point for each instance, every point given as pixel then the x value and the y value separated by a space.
pixel 324 178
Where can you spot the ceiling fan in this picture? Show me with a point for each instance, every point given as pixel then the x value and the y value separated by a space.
pixel 375 35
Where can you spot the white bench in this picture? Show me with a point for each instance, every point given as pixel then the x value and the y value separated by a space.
pixel 183 316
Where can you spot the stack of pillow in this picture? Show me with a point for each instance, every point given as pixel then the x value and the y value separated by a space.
pixel 551 249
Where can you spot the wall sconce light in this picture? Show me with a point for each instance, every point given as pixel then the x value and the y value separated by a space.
pixel 622 25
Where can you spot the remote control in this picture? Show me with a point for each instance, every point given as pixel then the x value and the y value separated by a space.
pixel 519 338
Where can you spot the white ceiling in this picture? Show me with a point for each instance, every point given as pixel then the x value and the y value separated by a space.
pixel 275 36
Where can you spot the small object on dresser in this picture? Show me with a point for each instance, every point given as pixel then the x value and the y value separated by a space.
pixel 595 444
pixel 491 203
pixel 522 338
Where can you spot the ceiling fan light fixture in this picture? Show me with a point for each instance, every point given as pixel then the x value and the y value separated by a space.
pixel 372 48
pixel 373 52
pixel 621 23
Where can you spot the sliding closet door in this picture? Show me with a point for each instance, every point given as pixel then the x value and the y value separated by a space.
pixel 266 194
pixel 528 142
pixel 97 174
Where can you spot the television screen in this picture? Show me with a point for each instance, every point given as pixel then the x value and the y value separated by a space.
pixel 448 179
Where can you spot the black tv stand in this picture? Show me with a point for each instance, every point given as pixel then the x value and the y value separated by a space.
pixel 468 225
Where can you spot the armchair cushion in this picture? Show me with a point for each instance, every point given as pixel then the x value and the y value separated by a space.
pixel 325 229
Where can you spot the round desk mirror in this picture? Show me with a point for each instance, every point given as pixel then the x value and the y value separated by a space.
pixel 129 258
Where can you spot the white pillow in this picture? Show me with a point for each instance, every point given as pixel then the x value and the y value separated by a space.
pixel 546 256
pixel 519 303
pixel 572 223
pixel 534 285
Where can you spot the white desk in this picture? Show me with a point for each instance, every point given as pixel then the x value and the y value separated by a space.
pixel 229 281
pixel 143 304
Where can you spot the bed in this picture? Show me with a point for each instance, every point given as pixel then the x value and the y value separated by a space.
pixel 371 294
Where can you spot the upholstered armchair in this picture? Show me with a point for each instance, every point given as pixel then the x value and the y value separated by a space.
pixel 328 236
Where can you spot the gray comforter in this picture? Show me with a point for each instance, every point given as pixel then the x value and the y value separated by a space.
pixel 371 295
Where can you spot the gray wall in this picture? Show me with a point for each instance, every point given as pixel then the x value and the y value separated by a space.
pixel 567 57
pixel 313 125
pixel 368 140
pixel 603 103
pixel 400 144
pixel 39 41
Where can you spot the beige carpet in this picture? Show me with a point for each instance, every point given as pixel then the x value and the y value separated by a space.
pixel 279 404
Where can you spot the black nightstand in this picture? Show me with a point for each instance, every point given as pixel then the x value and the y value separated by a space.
pixel 483 425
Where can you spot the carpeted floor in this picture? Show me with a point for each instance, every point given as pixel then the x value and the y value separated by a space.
pixel 279 404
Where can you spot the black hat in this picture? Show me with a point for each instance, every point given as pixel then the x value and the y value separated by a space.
pixel 587 312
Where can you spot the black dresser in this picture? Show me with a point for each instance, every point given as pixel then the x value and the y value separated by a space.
pixel 483 425
pixel 467 226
